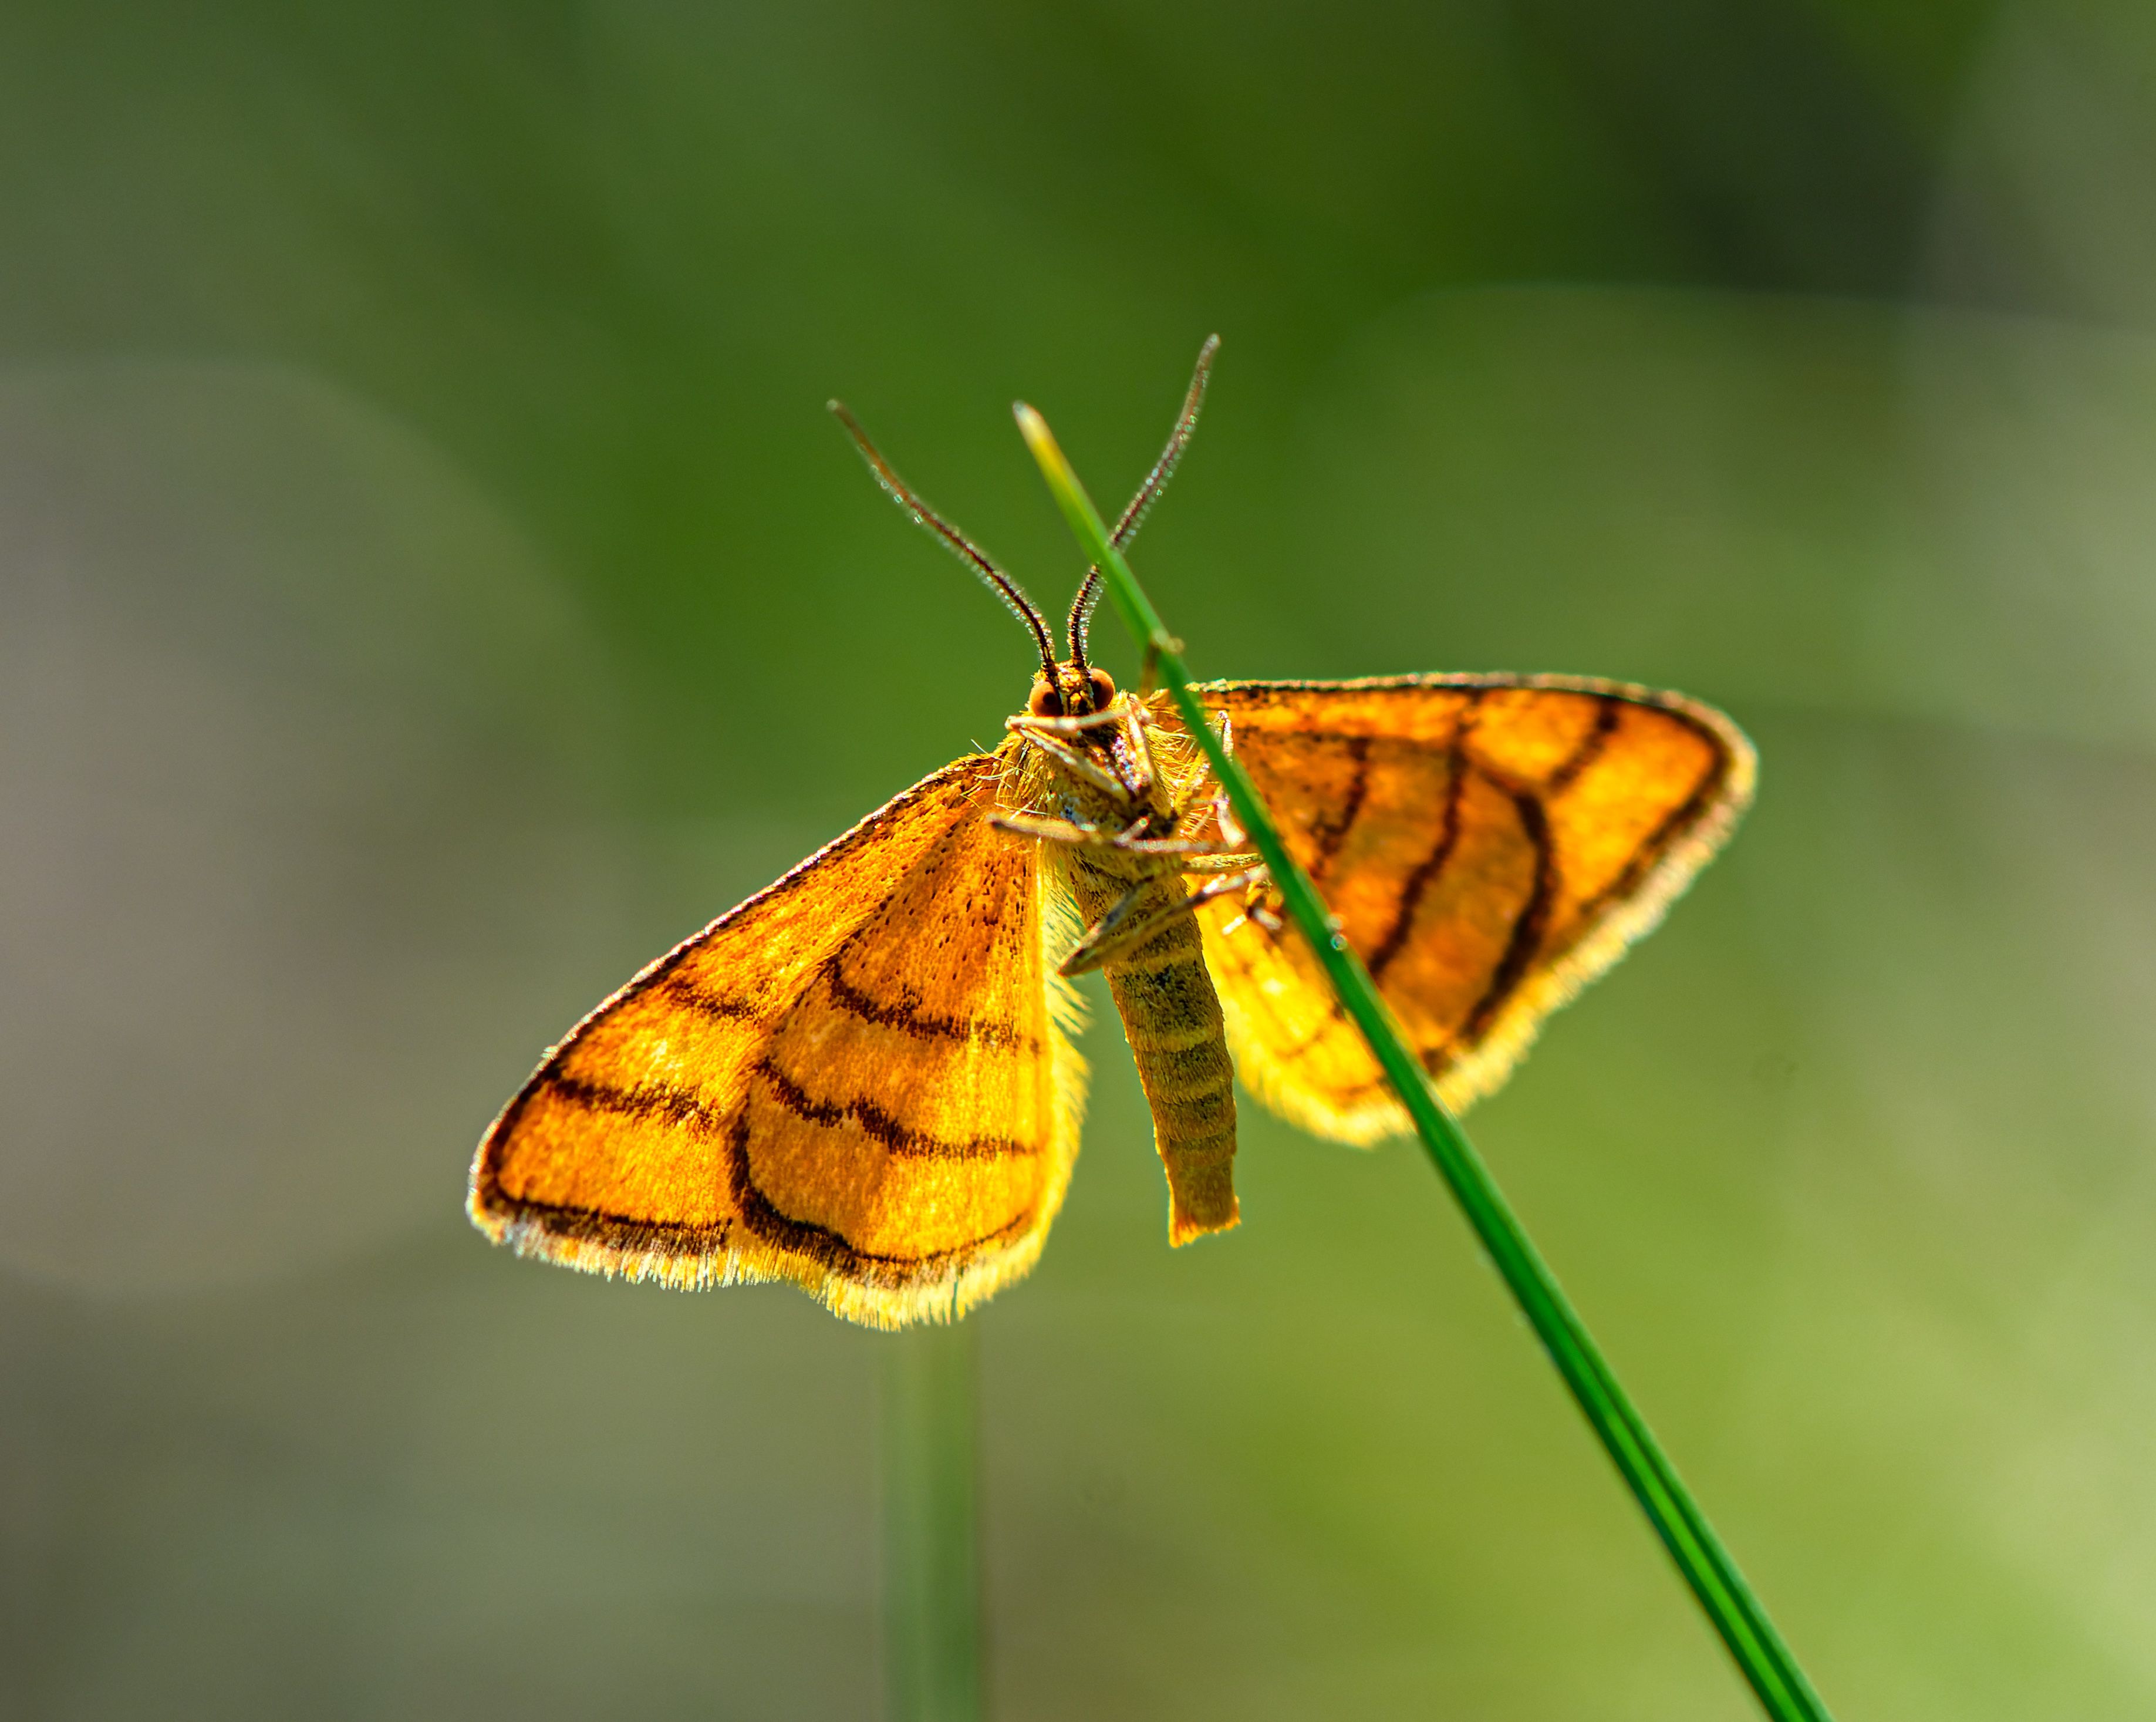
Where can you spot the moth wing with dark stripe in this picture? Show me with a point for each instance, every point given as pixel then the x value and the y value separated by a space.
pixel 857 1080
pixel 1488 844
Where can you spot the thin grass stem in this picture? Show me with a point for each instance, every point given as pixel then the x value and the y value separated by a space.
pixel 1735 1611
pixel 931 1575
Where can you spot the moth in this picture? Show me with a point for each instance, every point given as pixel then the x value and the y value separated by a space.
pixel 862 1080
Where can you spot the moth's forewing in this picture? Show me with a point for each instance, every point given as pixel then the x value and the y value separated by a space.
pixel 1488 843
pixel 854 1081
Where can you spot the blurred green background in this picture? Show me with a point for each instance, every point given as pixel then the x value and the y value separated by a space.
pixel 429 586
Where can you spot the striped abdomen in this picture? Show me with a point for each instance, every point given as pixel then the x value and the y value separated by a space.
pixel 1172 1020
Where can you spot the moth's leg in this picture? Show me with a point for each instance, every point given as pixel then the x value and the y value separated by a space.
pixel 1077 763
pixel 1181 846
pixel 1225 733
pixel 1126 718
pixel 1068 832
pixel 1076 835
pixel 1140 749
pixel 1204 789
pixel 1233 838
pixel 1048 831
pixel 1175 840
pixel 1123 930
pixel 1223 860
pixel 1224 816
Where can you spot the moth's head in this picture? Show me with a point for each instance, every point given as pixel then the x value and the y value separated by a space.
pixel 1078 691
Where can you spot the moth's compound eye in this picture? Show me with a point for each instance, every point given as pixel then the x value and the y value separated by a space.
pixel 1104 690
pixel 1043 701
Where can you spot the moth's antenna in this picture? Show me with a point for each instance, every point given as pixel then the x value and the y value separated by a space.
pixel 1081 613
pixel 1133 517
pixel 1178 440
pixel 959 544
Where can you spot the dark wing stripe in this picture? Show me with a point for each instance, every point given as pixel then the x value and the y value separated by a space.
pixel 821 1244
pixel 1649 853
pixel 1424 876
pixel 685 993
pixel 874 1121
pixel 1607 715
pixel 1526 942
pixel 909 1019
pixel 1328 836
pixel 665 1102
pixel 583 1224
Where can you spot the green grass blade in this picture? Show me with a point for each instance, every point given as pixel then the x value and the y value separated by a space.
pixel 932 1579
pixel 1736 1613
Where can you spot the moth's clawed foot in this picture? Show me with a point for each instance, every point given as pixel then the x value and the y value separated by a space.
pixel 1262 902
pixel 1224 816
pixel 1205 792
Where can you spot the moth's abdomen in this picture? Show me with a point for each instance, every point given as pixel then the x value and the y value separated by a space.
pixel 1172 1019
